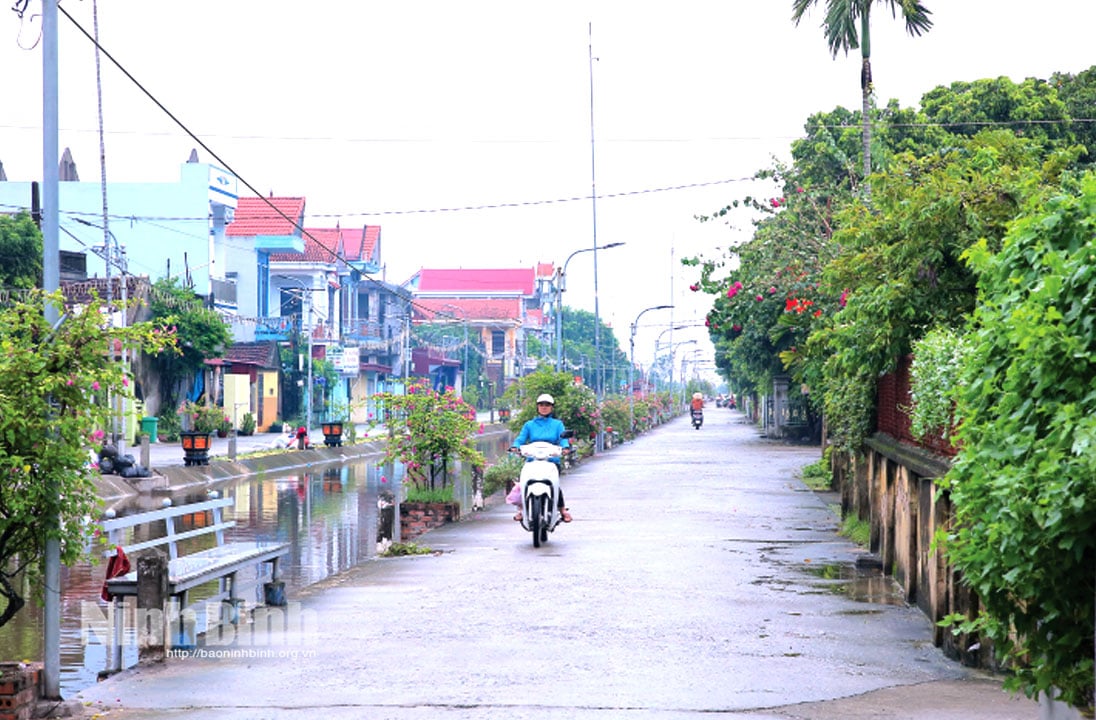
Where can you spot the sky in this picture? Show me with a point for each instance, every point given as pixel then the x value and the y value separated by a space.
pixel 475 133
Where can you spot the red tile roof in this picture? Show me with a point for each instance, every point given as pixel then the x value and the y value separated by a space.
pixel 476 311
pixel 363 244
pixel 321 245
pixel 545 270
pixel 255 216
pixel 468 282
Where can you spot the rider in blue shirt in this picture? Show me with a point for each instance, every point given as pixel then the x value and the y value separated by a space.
pixel 545 428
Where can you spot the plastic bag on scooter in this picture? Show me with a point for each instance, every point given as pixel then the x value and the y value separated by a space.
pixel 514 497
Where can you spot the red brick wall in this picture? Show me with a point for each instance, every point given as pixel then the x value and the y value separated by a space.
pixel 19 690
pixel 417 518
pixel 892 410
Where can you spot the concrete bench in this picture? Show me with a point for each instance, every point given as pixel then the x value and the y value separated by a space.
pixel 221 563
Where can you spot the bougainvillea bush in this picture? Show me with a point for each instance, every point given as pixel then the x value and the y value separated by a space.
pixel 54 384
pixel 427 431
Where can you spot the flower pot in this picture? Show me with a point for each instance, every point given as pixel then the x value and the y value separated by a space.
pixel 332 433
pixel 195 447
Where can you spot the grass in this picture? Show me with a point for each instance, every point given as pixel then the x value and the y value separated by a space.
pixel 403 549
pixel 817 476
pixel 856 530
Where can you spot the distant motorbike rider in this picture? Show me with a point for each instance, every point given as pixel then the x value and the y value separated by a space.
pixel 545 428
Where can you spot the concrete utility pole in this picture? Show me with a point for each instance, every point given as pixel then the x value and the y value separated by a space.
pixel 51 281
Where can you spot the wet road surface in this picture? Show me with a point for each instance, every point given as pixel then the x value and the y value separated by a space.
pixel 699 578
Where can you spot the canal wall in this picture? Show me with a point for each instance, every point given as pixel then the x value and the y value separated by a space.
pixel 894 487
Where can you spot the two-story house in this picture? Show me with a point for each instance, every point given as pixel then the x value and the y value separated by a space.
pixel 498 307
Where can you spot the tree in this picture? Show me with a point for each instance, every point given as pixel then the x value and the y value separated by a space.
pixel 20 252
pixel 579 348
pixel 202 334
pixel 53 387
pixel 842 33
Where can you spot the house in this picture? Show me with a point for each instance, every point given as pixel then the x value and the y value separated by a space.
pixel 154 229
pixel 499 308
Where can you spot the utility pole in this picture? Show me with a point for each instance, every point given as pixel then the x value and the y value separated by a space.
pixel 51 281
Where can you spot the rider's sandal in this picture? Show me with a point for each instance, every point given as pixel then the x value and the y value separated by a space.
pixel 565 515
pixel 518 517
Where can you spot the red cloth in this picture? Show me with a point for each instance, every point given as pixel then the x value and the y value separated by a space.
pixel 117 565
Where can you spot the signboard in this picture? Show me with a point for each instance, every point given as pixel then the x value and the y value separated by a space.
pixel 222 187
pixel 345 359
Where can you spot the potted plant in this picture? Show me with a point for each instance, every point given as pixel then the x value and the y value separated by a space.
pixel 247 424
pixel 223 426
pixel 199 423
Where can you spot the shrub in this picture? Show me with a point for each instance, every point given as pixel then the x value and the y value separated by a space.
pixel 496 476
pixel 247 424
pixel 1024 482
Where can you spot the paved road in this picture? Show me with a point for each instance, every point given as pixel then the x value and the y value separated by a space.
pixel 694 581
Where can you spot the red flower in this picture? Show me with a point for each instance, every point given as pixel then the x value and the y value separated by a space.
pixel 694 287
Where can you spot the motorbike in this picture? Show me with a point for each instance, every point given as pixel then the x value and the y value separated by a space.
pixel 539 480
pixel 698 418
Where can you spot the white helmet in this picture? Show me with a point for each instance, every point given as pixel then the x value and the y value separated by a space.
pixel 697 396
pixel 545 398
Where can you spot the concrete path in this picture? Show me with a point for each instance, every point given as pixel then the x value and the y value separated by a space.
pixel 699 579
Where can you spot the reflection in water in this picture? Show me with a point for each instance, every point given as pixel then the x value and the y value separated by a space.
pixel 328 516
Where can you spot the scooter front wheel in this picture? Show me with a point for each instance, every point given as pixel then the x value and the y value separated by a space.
pixel 536 518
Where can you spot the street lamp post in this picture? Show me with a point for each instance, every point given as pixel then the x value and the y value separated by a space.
pixel 673 354
pixel 561 289
pixel 306 292
pixel 632 365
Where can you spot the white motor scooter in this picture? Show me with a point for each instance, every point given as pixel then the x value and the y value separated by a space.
pixel 539 481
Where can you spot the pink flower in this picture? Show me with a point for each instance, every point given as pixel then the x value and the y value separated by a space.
pixel 799 189
pixel 481 429
pixel 736 327
pixel 844 298
pixel 772 290
pixel 95 385
pixel 384 479
pixel 694 287
pixel 125 382
pixel 758 298
pixel 70 382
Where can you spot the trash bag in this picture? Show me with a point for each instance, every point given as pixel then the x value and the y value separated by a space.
pixel 108 451
pixel 124 461
pixel 106 466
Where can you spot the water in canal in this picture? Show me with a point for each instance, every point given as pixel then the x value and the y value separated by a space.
pixel 329 516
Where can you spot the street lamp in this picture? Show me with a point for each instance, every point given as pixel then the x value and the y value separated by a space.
pixel 559 301
pixel 632 366
pixel 673 354
pixel 306 292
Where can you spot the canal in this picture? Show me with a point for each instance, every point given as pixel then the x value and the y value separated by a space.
pixel 329 515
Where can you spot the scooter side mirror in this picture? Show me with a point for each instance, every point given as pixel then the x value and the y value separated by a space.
pixel 567 434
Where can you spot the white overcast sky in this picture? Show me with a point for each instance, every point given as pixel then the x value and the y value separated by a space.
pixel 375 111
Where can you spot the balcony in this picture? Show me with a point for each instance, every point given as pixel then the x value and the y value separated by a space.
pixel 362 330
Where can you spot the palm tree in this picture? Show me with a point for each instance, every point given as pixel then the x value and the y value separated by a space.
pixel 840 27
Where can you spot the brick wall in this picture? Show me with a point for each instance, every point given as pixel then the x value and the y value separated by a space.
pixel 417 518
pixel 19 690
pixel 892 411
